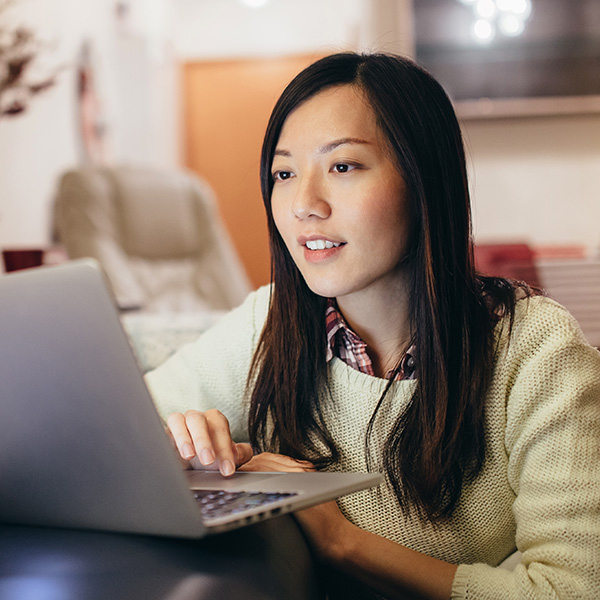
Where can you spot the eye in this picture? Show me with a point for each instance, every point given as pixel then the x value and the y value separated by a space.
pixel 342 168
pixel 282 175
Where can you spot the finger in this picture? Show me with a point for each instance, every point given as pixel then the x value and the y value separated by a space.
pixel 270 466
pixel 199 431
pixel 185 464
pixel 288 460
pixel 242 453
pixel 222 444
pixel 177 427
pixel 276 462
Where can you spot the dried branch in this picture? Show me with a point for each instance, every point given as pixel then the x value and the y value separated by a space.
pixel 19 49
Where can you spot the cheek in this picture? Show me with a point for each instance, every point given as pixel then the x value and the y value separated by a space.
pixel 388 223
pixel 382 211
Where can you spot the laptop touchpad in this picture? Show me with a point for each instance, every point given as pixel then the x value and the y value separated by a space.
pixel 209 480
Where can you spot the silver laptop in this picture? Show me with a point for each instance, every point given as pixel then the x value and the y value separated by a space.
pixel 81 444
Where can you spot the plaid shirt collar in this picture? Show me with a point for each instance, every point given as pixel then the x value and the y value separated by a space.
pixel 347 346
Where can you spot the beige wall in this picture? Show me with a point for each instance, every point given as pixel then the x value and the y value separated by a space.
pixel 536 179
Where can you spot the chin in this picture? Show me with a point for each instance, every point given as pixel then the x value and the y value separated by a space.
pixel 325 289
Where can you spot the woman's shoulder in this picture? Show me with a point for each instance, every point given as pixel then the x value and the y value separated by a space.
pixel 212 370
pixel 538 315
pixel 544 315
pixel 260 299
pixel 256 306
pixel 545 332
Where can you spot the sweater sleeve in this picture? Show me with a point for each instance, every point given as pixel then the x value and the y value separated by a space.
pixel 212 371
pixel 552 441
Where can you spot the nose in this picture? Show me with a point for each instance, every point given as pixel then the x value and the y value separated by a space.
pixel 311 199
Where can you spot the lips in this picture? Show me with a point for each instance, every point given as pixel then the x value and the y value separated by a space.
pixel 316 242
pixel 320 249
pixel 322 244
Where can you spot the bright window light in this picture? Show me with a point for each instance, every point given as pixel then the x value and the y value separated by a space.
pixel 509 17
pixel 483 31
pixel 486 8
pixel 521 8
pixel 511 25
pixel 506 5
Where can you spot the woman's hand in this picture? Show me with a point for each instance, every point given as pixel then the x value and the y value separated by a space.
pixel 324 523
pixel 267 461
pixel 203 439
pixel 388 568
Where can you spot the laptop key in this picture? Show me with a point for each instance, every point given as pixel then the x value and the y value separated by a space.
pixel 220 503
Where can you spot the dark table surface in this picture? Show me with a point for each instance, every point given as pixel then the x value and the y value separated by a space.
pixel 269 560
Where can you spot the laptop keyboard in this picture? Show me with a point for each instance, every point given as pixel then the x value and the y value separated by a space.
pixel 221 503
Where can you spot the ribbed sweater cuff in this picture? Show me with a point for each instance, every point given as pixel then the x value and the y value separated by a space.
pixel 460 582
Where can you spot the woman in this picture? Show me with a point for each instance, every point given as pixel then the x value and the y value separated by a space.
pixel 379 347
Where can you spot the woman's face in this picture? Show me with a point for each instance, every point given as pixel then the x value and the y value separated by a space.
pixel 339 202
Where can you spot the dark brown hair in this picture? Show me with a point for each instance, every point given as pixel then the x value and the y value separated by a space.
pixel 438 442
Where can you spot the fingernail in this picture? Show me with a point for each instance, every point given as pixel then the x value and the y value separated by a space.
pixel 207 457
pixel 188 451
pixel 227 468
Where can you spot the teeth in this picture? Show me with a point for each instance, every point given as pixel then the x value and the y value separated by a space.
pixel 321 244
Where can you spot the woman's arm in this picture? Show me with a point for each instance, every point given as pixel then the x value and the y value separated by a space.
pixel 212 371
pixel 551 435
pixel 386 567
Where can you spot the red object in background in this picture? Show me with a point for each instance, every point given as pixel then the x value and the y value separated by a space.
pixel 514 261
pixel 14 260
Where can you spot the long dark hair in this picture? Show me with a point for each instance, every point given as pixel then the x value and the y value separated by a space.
pixel 438 442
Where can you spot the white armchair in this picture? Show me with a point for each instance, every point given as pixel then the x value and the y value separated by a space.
pixel 156 233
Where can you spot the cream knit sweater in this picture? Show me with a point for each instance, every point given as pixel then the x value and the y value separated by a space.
pixel 539 491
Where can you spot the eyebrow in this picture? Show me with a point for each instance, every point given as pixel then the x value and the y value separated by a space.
pixel 327 147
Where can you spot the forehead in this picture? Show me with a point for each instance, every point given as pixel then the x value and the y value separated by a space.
pixel 336 112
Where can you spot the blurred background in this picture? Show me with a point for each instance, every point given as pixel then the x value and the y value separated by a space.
pixel 189 84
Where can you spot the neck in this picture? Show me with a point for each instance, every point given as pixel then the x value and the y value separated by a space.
pixel 382 322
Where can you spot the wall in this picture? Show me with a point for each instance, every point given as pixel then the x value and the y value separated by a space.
pixel 225 29
pixel 136 80
pixel 536 179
